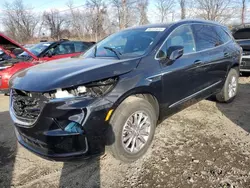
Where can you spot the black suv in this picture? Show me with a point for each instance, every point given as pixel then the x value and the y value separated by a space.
pixel 115 94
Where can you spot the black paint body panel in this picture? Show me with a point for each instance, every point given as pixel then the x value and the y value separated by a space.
pixel 174 86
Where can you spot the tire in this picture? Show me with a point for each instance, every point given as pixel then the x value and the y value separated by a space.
pixel 225 95
pixel 126 112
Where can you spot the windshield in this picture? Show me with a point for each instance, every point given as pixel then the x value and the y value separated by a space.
pixel 125 44
pixel 36 49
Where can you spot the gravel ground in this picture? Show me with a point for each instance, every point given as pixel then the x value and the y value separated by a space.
pixel 206 145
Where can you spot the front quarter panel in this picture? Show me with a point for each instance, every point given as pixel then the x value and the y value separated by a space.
pixel 138 81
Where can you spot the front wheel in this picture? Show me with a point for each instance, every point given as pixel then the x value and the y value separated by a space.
pixel 230 88
pixel 133 125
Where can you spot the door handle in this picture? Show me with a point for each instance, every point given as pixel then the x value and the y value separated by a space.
pixel 226 54
pixel 198 62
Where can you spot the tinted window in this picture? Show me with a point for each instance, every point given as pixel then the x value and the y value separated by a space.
pixel 182 36
pixel 205 36
pixel 223 35
pixel 80 47
pixel 242 33
pixel 63 48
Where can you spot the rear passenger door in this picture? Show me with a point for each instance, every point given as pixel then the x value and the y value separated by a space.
pixel 214 56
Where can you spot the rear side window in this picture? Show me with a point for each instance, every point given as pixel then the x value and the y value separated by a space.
pixel 182 36
pixel 223 35
pixel 206 36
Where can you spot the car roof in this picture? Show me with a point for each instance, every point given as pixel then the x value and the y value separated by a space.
pixel 185 21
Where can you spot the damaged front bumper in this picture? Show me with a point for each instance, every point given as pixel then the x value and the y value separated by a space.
pixel 65 128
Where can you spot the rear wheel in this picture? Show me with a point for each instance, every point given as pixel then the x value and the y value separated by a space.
pixel 133 125
pixel 230 88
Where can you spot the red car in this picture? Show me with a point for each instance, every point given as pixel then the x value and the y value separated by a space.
pixel 39 53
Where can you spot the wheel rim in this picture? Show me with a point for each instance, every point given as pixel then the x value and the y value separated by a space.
pixel 232 87
pixel 136 131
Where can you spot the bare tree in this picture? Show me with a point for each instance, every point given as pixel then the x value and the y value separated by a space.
pixel 19 21
pixel 243 11
pixel 163 8
pixel 142 6
pixel 76 21
pixel 183 8
pixel 125 12
pixel 98 10
pixel 215 10
pixel 55 22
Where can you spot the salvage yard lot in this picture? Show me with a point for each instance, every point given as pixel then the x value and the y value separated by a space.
pixel 206 145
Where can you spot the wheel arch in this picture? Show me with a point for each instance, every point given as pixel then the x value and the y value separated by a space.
pixel 145 93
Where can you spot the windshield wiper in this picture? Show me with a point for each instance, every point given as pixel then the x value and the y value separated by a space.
pixel 117 53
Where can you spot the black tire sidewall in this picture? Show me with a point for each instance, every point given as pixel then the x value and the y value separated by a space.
pixel 118 120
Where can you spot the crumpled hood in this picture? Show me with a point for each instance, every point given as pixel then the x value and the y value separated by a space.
pixel 69 72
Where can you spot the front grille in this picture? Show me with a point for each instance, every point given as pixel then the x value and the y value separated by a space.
pixel 26 106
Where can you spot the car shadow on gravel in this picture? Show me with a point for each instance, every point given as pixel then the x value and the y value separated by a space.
pixel 80 172
pixel 8 150
pixel 238 111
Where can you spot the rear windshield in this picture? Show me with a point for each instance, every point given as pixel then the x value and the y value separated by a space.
pixel 242 33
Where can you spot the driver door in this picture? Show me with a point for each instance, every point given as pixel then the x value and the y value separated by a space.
pixel 179 76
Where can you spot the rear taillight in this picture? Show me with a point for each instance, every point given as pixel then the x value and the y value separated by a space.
pixel 0 81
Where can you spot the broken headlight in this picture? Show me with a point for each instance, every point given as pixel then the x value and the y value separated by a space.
pixel 93 89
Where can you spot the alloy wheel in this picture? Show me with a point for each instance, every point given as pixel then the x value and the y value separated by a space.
pixel 136 131
pixel 232 87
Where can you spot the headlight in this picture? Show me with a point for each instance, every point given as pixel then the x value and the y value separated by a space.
pixel 94 89
pixel 62 94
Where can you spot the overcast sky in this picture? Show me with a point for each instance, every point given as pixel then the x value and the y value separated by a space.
pixel 41 5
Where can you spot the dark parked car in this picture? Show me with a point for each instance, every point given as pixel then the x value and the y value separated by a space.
pixel 242 36
pixel 116 92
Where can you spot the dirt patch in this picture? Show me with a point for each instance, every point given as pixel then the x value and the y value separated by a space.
pixel 206 145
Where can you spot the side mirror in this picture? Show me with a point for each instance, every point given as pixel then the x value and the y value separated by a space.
pixel 175 52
